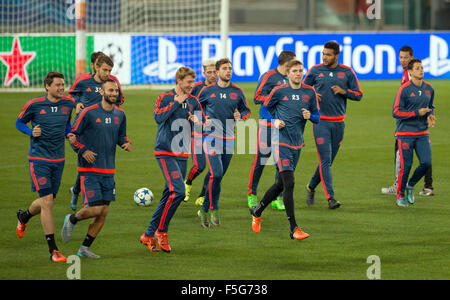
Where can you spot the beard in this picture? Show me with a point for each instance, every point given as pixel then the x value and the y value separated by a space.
pixel 110 99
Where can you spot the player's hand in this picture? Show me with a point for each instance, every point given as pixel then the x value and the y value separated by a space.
pixel 306 114
pixel 127 147
pixel 423 111
pixel 180 98
pixel 72 138
pixel 319 97
pixel 37 131
pixel 79 108
pixel 89 156
pixel 193 118
pixel 279 124
pixel 338 90
pixel 236 115
pixel 208 121
pixel 431 119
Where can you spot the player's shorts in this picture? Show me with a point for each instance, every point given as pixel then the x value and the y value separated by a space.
pixel 97 190
pixel 45 177
pixel 286 158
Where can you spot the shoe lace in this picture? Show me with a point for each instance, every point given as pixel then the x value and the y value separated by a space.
pixel 163 238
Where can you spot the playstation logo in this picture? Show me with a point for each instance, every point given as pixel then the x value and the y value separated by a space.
pixel 166 66
pixel 438 63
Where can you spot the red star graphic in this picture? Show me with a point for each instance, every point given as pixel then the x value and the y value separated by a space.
pixel 16 61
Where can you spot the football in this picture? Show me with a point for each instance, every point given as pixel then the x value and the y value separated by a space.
pixel 143 197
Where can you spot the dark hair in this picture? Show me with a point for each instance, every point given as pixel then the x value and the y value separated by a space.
pixel 50 76
pixel 96 55
pixel 293 62
pixel 104 59
pixel 222 62
pixel 285 56
pixel 332 45
pixel 108 80
pixel 412 62
pixel 407 49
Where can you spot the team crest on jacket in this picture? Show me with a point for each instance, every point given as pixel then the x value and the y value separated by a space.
pixel 305 98
pixel 175 174
pixel 341 75
pixel 64 110
pixel 116 120
pixel 428 93
pixel 233 96
pixel 42 180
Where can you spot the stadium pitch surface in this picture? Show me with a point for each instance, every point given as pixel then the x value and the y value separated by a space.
pixel 411 243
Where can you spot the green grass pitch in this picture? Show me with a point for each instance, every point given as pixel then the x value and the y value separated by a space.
pixel 412 243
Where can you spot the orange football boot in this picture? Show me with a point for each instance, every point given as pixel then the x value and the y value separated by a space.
pixel 149 242
pixel 163 241
pixel 20 229
pixel 56 256
pixel 299 234
pixel 256 224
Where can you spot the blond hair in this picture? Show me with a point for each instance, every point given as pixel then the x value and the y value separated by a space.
pixel 182 72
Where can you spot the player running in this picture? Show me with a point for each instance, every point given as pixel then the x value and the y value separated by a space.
pixel 173 109
pixel 335 83
pixel 405 56
pixel 50 120
pixel 224 103
pixel 267 82
pixel 86 92
pixel 414 110
pixel 291 105
pixel 96 133
pixel 198 157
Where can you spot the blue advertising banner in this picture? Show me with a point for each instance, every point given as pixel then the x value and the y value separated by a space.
pixel 373 56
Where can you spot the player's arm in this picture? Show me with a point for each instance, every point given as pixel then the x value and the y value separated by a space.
pixel 353 91
pixel 243 108
pixel 399 109
pixel 123 140
pixel 314 109
pixel 262 89
pixel 431 118
pixel 26 116
pixel 271 102
pixel 310 77
pixel 78 128
pixel 164 108
pixel 76 93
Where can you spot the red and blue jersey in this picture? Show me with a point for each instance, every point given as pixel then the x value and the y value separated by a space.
pixel 267 82
pixel 220 104
pixel 198 86
pixel 286 103
pixel 99 131
pixel 410 98
pixel 54 120
pixel 172 138
pixel 85 89
pixel 333 106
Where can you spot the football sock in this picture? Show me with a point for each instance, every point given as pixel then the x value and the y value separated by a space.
pixel 88 240
pixel 25 217
pixel 269 196
pixel 73 219
pixel 51 242
pixel 288 196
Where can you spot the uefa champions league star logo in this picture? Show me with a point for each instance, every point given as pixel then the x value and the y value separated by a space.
pixel 166 66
